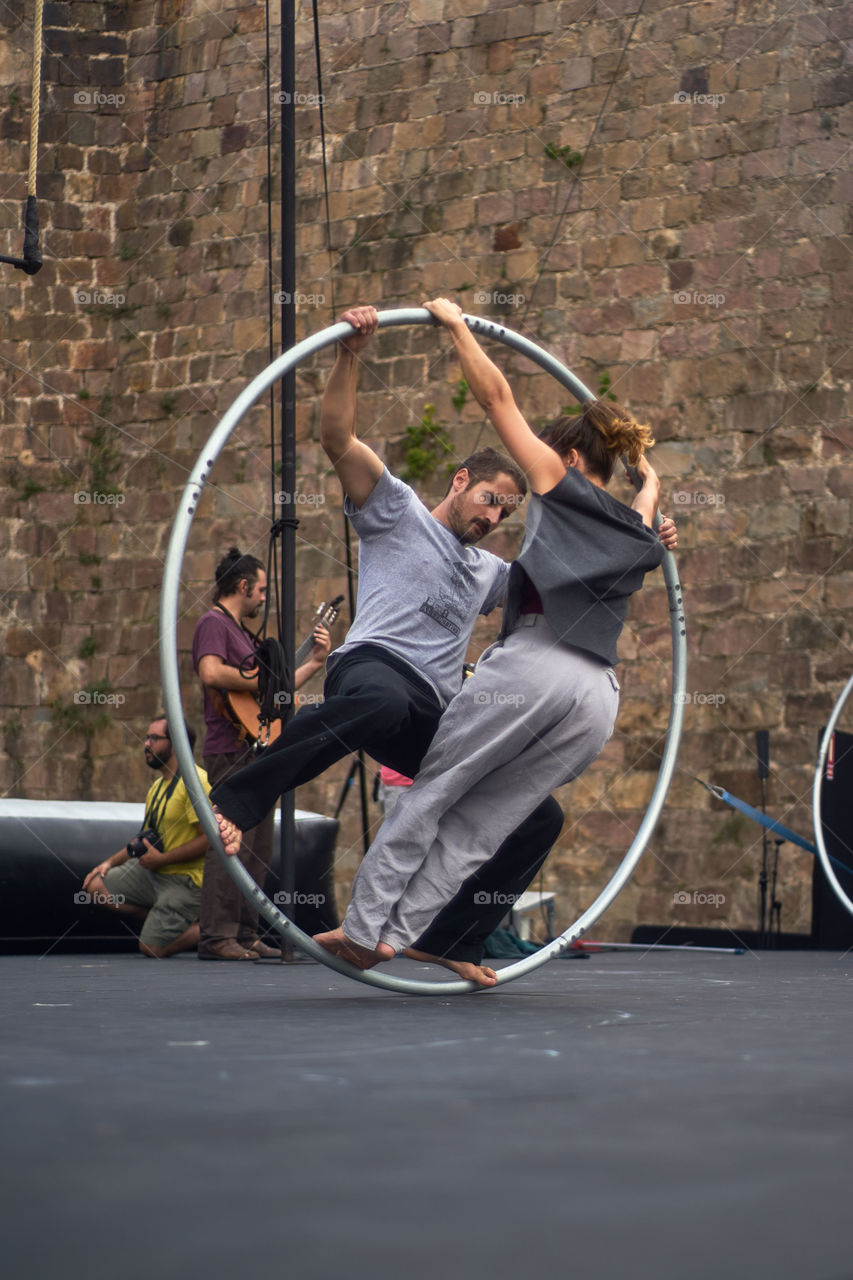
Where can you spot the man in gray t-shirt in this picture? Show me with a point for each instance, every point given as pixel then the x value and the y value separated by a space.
pixel 422 584
pixel 419 588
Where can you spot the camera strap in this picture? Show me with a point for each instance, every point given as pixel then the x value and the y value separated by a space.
pixel 156 808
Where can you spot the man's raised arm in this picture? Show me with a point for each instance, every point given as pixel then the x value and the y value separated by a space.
pixel 358 467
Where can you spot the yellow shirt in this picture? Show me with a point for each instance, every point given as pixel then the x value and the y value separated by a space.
pixel 178 824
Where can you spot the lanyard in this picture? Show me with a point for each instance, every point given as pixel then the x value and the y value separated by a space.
pixel 157 807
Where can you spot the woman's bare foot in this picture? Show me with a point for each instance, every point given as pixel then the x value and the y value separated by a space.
pixel 362 957
pixel 479 973
pixel 229 832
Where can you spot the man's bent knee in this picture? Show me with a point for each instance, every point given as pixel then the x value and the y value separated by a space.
pixel 547 819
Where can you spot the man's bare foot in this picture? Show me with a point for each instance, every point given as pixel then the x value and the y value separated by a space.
pixel 229 832
pixel 362 957
pixel 479 973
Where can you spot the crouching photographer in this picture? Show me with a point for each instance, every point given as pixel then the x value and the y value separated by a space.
pixel 157 877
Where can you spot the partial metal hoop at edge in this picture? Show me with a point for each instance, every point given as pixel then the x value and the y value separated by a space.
pixel 816 797
pixel 172 691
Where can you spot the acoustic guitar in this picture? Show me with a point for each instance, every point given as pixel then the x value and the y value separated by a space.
pixel 244 708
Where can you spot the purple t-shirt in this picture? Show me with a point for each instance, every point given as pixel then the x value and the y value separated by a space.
pixel 221 636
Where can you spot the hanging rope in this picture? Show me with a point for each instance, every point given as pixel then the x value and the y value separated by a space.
pixel 320 101
pixel 32 260
pixel 272 549
pixel 359 765
pixel 576 177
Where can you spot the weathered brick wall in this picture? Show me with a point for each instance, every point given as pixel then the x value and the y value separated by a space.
pixel 699 261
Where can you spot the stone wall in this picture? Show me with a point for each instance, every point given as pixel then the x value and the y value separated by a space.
pixel 694 260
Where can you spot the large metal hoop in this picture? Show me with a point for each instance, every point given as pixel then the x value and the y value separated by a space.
pixel 172 691
pixel 816 797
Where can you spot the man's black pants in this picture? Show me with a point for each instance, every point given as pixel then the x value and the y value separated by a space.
pixel 376 703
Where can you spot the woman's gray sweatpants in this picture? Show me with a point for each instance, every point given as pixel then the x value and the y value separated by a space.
pixel 533 716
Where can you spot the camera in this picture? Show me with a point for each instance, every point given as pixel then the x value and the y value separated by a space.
pixel 137 849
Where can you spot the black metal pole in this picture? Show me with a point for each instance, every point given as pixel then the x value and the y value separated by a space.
pixel 287 866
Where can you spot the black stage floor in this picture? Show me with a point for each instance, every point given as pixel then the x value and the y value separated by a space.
pixel 677 1116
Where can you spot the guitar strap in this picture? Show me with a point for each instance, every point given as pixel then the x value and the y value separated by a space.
pixel 273 679
pixel 245 630
pixel 217 696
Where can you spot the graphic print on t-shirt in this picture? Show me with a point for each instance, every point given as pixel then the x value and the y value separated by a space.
pixel 450 607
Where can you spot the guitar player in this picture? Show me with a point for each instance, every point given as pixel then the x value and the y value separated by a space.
pixel 221 643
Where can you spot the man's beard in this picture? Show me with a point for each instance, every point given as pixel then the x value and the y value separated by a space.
pixel 473 534
pixel 468 532
pixel 153 761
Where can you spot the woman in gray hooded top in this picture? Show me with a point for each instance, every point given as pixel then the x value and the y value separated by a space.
pixel 543 700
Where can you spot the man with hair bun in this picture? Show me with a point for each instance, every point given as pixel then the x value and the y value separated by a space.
pixel 224 647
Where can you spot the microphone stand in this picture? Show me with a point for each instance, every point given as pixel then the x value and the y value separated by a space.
pixel 775 904
pixel 762 879
pixel 762 755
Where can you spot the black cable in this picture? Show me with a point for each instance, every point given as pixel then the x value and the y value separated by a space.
pixel 320 101
pixel 577 175
pixel 362 768
pixel 272 554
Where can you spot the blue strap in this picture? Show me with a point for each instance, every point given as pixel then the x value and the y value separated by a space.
pixel 757 816
pixel 776 827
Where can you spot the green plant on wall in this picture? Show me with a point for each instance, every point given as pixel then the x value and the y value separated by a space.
pixel 426 443
pixel 13 747
pixel 460 395
pixel 85 714
pixel 566 155
pixel 102 457
pixel 604 393
pixel 730 831
pixel 27 487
